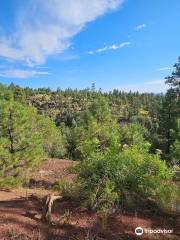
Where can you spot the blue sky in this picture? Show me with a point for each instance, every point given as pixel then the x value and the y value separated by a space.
pixel 127 45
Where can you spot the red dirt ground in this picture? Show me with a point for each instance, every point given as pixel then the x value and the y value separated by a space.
pixel 52 171
pixel 21 210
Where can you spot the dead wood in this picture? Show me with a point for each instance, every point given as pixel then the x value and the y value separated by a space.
pixel 47 211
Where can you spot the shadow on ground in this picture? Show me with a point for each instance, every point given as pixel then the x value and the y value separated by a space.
pixel 20 219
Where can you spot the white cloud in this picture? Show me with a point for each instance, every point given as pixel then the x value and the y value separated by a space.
pixel 141 26
pixel 111 47
pixel 164 68
pixel 17 73
pixel 45 28
pixel 153 86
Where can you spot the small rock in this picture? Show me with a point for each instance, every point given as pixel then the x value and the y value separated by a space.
pixel 38 216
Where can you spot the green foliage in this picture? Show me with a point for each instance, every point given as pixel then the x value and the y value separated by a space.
pixel 25 137
pixel 174 80
pixel 168 197
pixel 111 177
pixel 168 119
pixel 21 145
pixel 120 138
pixel 65 188
pixel 73 109
pixel 132 134
pixel 9 182
pixel 142 172
pixel 175 147
pixel 97 129
pixel 53 141
pixel 5 94
pixel 169 115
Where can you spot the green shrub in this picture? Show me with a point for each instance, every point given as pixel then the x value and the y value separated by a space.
pixel 116 177
pixel 10 182
pixel 53 141
pixel 65 188
pixel 168 197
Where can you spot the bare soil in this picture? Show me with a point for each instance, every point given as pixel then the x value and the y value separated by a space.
pixel 21 211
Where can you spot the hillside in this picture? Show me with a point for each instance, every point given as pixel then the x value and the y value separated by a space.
pixel 123 173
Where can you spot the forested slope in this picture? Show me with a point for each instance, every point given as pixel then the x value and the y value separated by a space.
pixel 127 144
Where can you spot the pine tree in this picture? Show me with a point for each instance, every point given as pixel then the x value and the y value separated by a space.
pixel 174 79
pixel 21 144
pixel 170 112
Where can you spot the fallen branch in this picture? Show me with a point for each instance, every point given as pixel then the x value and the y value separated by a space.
pixel 47 211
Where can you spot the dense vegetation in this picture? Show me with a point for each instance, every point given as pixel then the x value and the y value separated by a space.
pixel 128 144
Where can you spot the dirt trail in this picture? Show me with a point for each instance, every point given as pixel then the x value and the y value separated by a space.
pixel 21 210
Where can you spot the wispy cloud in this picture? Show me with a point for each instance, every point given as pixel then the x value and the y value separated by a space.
pixel 152 86
pixel 164 68
pixel 141 26
pixel 155 82
pixel 45 28
pixel 68 57
pixel 18 73
pixel 111 47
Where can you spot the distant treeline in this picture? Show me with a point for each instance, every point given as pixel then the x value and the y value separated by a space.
pixel 157 113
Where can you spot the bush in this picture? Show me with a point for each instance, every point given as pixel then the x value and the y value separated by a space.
pixel 65 188
pixel 168 197
pixel 53 141
pixel 10 182
pixel 114 177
